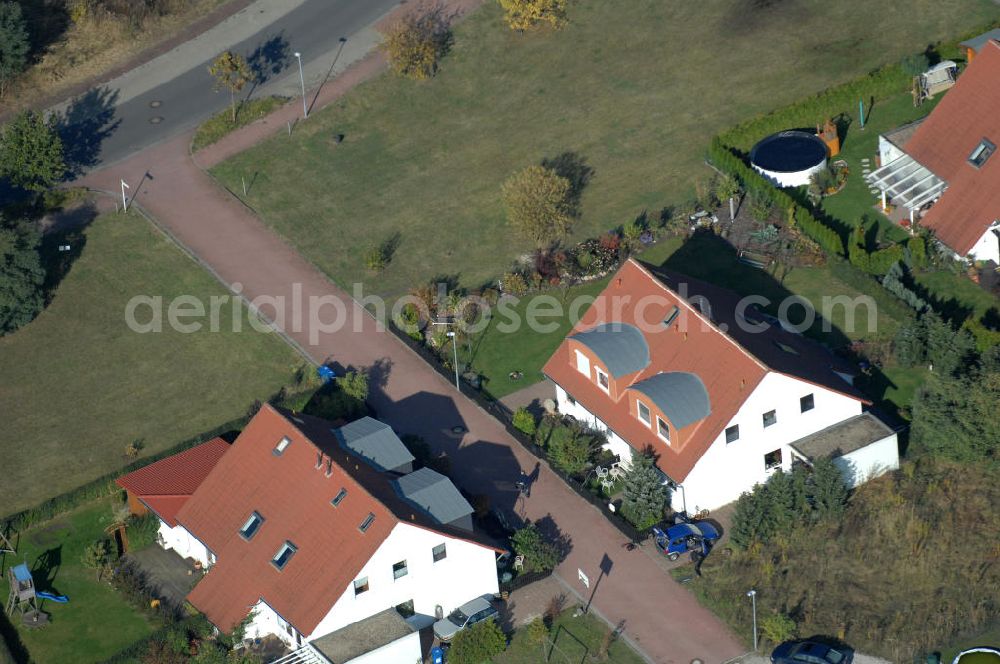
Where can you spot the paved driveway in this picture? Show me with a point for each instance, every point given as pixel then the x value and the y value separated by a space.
pixel 659 616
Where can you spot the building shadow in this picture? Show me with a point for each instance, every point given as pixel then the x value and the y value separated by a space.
pixel 84 126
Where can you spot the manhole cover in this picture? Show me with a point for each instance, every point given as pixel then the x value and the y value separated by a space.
pixel 156 119
pixel 156 103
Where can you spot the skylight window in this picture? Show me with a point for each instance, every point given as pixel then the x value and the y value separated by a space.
pixel 671 315
pixel 339 498
pixel 367 523
pixel 251 526
pixel 282 445
pixel 982 153
pixel 284 554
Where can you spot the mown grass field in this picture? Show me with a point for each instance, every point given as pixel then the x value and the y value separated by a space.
pixel 635 89
pixel 79 386
pixel 570 640
pixel 97 622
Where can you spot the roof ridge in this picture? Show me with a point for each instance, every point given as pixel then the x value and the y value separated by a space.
pixel 692 309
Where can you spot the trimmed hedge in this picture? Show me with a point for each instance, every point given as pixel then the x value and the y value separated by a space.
pixel 758 187
pixel 879 84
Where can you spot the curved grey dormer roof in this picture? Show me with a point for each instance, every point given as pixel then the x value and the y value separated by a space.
pixel 680 395
pixel 620 346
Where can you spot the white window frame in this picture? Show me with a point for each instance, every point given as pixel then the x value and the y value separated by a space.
pixel 582 363
pixel 282 445
pixel 607 379
pixel 659 430
pixel 254 518
pixel 648 420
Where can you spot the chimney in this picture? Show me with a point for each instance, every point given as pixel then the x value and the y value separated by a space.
pixel 329 467
pixel 319 460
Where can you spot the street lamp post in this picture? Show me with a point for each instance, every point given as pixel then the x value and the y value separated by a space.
pixel 124 198
pixel 752 594
pixel 454 345
pixel 302 80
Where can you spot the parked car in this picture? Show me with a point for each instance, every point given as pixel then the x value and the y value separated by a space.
pixel 811 652
pixel 685 536
pixel 464 616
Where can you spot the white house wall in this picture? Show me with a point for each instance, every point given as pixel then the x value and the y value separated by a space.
pixel 266 621
pixel 468 571
pixel 870 461
pixel 987 248
pixel 887 151
pixel 401 651
pixel 184 543
pixel 616 444
pixel 727 470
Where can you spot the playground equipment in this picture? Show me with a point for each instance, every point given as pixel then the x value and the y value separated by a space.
pixel 24 597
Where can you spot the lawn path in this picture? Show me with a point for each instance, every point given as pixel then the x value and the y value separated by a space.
pixel 661 618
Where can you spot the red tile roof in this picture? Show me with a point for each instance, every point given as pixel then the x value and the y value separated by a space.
pixel 293 496
pixel 967 114
pixel 730 365
pixel 165 485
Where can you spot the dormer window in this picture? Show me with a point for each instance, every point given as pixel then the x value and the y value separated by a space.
pixel 251 526
pixel 367 523
pixel 663 430
pixel 284 554
pixel 642 410
pixel 602 380
pixel 282 445
pixel 982 153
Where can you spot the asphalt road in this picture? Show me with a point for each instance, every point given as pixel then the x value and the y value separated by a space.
pixel 98 132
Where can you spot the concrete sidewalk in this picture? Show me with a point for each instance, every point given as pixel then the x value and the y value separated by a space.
pixel 660 617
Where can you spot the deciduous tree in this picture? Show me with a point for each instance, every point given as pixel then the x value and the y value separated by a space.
pixel 524 15
pixel 231 72
pixel 13 43
pixel 31 152
pixel 538 207
pixel 95 557
pixel 21 275
pixel 415 43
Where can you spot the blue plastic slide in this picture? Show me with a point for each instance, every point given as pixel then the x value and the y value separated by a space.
pixel 62 599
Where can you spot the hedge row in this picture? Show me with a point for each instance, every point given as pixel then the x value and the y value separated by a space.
pixel 758 187
pixel 105 485
pixel 196 625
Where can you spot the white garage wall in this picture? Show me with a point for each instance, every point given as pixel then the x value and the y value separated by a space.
pixel 870 461
pixel 401 651
pixel 185 544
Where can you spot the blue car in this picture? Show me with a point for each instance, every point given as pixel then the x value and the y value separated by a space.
pixel 683 537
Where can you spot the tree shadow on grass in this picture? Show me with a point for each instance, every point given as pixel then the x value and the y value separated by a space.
pixel 63 243
pixel 83 127
pixel 573 167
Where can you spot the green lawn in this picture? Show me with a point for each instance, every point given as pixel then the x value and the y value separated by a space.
pixel 988 638
pixel 575 640
pixel 97 622
pixel 634 89
pixel 79 386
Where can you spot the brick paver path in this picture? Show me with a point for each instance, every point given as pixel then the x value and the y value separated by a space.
pixel 660 616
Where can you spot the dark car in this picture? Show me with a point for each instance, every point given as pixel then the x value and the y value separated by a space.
pixel 811 652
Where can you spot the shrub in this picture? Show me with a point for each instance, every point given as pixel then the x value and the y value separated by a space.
pixel 477 644
pixel 524 15
pixel 570 449
pixel 537 200
pixel 354 384
pixel 540 555
pixel 524 421
pixel 142 530
pixel 375 258
pixel 514 284
pixel 777 628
